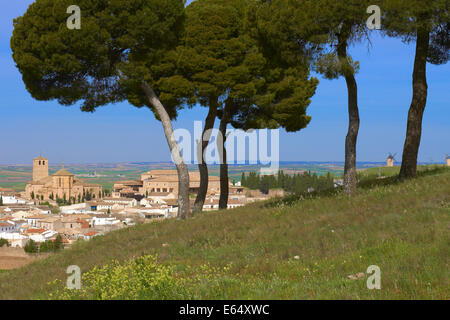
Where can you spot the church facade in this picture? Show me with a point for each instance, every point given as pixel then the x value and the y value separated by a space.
pixel 61 185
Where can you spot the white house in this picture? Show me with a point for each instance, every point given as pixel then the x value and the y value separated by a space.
pixel 157 211
pixel 22 214
pixel 158 197
pixel 43 236
pixel 12 200
pixel 213 204
pixel 89 235
pixel 15 239
pixel 128 202
pixel 235 203
pixel 105 206
pixel 7 226
pixel 102 221
pixel 78 208
pixel 33 220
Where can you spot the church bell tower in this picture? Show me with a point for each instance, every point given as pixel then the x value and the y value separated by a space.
pixel 40 168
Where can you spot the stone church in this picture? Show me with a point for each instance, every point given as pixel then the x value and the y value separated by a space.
pixel 63 185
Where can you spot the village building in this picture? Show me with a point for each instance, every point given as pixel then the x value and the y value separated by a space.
pixel 167 181
pixel 161 181
pixel 90 234
pixel 34 231
pixel 16 208
pixel 78 208
pixel 127 202
pixel 158 197
pixel 41 235
pixel 33 221
pixel 61 185
pixel 212 203
pixel 15 239
pixel 50 223
pixel 7 226
pixel 106 206
pixel 14 224
pixel 73 222
pixel 22 214
pixel 7 200
pixel 126 189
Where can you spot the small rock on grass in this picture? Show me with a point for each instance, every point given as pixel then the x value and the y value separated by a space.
pixel 356 276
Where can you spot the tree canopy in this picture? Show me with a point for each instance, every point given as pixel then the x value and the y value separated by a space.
pixel 322 30
pixel 405 18
pixel 231 76
pixel 119 54
pixel 117 46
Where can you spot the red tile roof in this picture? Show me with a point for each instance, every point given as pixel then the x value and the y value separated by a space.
pixel 5 224
pixel 36 230
pixel 91 233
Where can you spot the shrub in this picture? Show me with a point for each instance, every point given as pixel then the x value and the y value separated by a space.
pixel 4 242
pixel 140 278
pixel 31 247
pixel 58 243
pixel 47 246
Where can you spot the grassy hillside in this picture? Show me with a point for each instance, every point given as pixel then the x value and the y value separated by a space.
pixel 274 250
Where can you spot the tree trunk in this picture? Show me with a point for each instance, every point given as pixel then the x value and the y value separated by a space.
pixel 352 135
pixel 201 147
pixel 183 173
pixel 224 191
pixel 350 179
pixel 415 114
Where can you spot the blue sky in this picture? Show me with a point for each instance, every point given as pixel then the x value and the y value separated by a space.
pixel 123 133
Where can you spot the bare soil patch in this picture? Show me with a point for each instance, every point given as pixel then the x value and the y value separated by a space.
pixel 12 258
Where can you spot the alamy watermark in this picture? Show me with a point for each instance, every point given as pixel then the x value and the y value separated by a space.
pixel 74 280
pixel 374 281
pixel 374 21
pixel 260 146
pixel 74 21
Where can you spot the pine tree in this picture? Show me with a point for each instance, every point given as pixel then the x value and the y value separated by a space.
pixel 428 24
pixel 120 54
pixel 287 27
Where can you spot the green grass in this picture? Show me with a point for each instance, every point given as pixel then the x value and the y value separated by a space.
pixel 248 253
pixel 394 171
